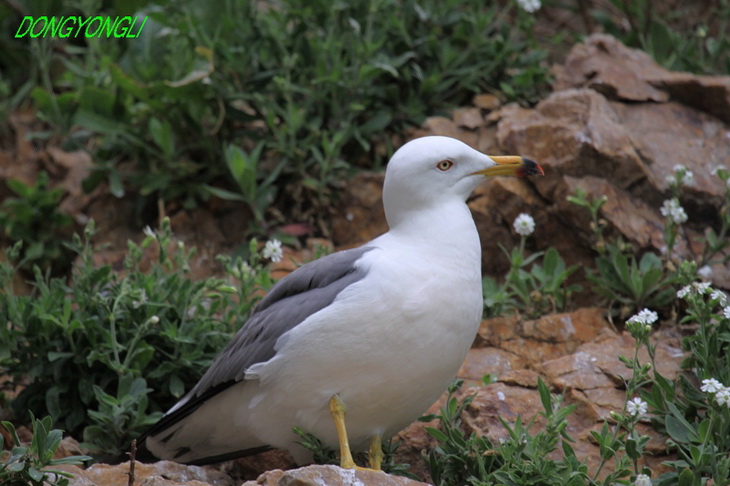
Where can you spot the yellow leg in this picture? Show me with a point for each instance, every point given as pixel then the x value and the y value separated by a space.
pixel 337 408
pixel 375 453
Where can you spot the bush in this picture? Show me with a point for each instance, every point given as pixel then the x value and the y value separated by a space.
pixel 312 86
pixel 103 357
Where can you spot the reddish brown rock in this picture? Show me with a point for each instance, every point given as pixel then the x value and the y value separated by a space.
pixel 544 338
pixel 605 65
pixel 468 117
pixel 486 101
pixel 163 473
pixel 330 476
pixel 492 361
pixel 575 132
pixel 359 215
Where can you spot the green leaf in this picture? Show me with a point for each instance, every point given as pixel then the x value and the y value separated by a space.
pixel 437 434
pixel 545 397
pixel 161 132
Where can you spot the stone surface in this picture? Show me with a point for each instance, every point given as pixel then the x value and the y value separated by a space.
pixel 162 473
pixel 545 338
pixel 329 476
pixel 604 64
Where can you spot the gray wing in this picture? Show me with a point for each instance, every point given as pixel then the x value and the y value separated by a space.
pixel 295 297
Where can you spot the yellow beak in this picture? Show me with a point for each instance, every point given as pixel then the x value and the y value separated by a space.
pixel 511 165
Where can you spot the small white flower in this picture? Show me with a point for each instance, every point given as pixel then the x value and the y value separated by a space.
pixel 711 385
pixel 529 6
pixel 702 287
pixel 148 231
pixel 716 170
pixel 642 480
pixel 705 273
pixel 645 317
pixel 273 251
pixel 719 297
pixel 672 210
pixel 154 320
pixel 722 397
pixel 636 407
pixel 726 312
pixel 685 176
pixel 684 291
pixel 500 396
pixel 524 225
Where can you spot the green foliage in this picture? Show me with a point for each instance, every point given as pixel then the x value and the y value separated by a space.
pixel 623 280
pixel 531 286
pixel 132 341
pixel 696 419
pixel 28 465
pixel 119 416
pixel 522 458
pixel 33 217
pixel 242 100
pixel 321 453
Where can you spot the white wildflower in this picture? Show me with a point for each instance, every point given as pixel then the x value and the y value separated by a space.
pixel 148 231
pixel 273 251
pixel 529 6
pixel 726 312
pixel 716 170
pixel 719 297
pixel 642 480
pixel 702 287
pixel 154 320
pixel 524 225
pixel 722 397
pixel 705 272
pixel 684 175
pixel 711 385
pixel 684 291
pixel 645 317
pixel 672 210
pixel 636 407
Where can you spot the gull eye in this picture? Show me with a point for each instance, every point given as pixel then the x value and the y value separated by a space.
pixel 444 165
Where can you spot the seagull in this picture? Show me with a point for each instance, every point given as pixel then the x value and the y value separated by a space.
pixel 356 345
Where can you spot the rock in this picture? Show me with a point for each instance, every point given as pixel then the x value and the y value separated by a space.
pixel 162 473
pixel 358 216
pixel 487 101
pixel 468 117
pixel 575 132
pixel 548 337
pixel 501 401
pixel 604 64
pixel 493 361
pixel 596 364
pixel 330 476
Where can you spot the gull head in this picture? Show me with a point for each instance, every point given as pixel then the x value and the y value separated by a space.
pixel 432 172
